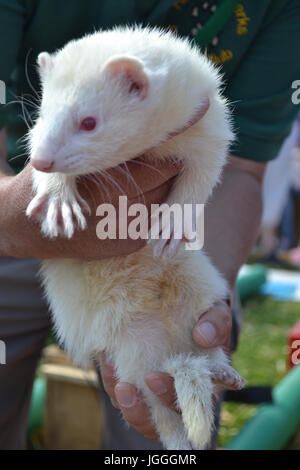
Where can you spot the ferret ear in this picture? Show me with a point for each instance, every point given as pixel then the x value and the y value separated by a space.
pixel 45 62
pixel 133 70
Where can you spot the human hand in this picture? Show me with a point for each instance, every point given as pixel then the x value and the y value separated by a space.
pixel 21 237
pixel 213 329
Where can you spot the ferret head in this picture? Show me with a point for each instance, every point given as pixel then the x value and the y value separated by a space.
pixel 94 109
pixel 114 95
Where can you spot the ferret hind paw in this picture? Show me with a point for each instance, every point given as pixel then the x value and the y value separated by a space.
pixel 228 377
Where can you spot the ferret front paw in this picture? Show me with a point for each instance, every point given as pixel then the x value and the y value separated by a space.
pixel 166 248
pixel 58 215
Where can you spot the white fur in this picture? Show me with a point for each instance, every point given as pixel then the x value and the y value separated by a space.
pixel 141 309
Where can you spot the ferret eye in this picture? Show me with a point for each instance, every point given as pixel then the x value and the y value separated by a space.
pixel 88 124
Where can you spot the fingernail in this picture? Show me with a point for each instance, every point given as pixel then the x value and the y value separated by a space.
pixel 124 395
pixel 157 384
pixel 206 333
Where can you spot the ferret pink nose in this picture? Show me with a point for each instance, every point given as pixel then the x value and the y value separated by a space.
pixel 42 165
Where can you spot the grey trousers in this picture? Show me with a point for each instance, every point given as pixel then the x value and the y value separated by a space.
pixel 24 328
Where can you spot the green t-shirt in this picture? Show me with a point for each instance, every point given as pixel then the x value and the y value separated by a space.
pixel 257 50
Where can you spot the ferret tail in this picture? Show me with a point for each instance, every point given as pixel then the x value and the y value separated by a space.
pixel 194 388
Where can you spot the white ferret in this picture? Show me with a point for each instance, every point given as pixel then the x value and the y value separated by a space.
pixel 108 98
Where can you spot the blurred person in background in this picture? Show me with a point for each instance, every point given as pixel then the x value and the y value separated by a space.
pixel 281 176
pixel 281 191
pixel 289 249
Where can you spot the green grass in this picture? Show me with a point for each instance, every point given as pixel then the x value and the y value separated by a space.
pixel 261 355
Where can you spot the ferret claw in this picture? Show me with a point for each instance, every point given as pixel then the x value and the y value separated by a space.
pixel 166 247
pixel 37 205
pixel 228 378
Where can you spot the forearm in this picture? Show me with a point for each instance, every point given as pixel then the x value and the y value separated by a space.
pixel 232 217
pixel 20 237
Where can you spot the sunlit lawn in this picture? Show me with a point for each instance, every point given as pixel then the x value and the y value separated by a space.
pixel 261 355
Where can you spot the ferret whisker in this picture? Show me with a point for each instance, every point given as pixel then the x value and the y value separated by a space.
pixel 18 156
pixel 151 167
pixel 90 177
pixel 35 102
pixel 138 188
pixel 26 101
pixel 27 75
pixel 17 101
pixel 124 172
pixel 103 187
pixel 19 98
pixel 130 178
pixel 27 115
pixel 22 116
pixel 84 182
pixel 113 182
pixel 95 180
pixel 26 161
pixel 23 141
pixel 22 144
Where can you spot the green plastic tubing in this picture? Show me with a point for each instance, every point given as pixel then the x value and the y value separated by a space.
pixel 250 279
pixel 274 425
pixel 37 408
